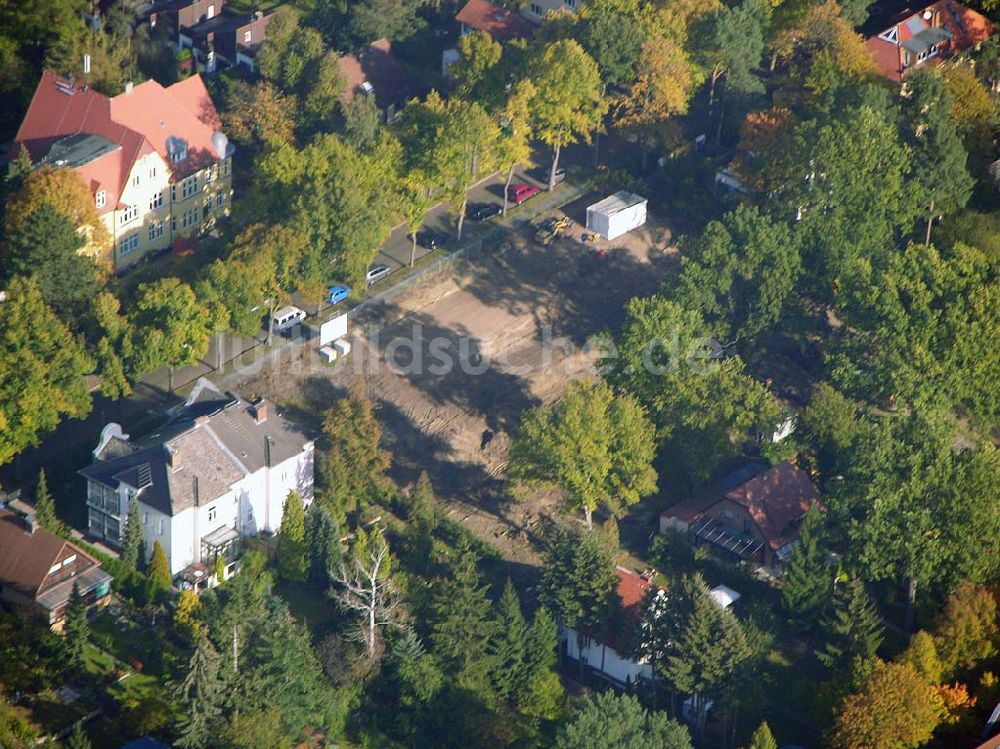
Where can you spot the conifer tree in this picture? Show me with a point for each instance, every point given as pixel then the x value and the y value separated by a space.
pixel 45 507
pixel 541 693
pixel 578 576
pixel 807 584
pixel 852 627
pixel 763 738
pixel 922 655
pixel 186 614
pixel 463 623
pixel 322 540
pixel 159 568
pixel 508 649
pixel 200 695
pixel 292 562
pixel 76 631
pixel 77 739
pixel 132 540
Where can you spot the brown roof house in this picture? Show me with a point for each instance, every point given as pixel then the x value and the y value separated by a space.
pixel 227 39
pixel 219 470
pixel 38 570
pixel 500 23
pixel 375 71
pixel 753 514
pixel 922 33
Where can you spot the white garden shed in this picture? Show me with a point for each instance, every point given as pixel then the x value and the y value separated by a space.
pixel 616 215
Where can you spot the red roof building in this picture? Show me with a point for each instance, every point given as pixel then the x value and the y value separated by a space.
pixel 375 71
pixel 925 33
pixel 754 513
pixel 500 23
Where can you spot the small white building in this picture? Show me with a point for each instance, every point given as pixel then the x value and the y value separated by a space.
pixel 219 470
pixel 616 215
pixel 598 652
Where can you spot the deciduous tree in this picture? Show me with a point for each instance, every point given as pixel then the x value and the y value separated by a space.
pixel 172 327
pixel 967 632
pixel 367 592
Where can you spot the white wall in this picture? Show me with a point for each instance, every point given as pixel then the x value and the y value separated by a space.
pixel 605 659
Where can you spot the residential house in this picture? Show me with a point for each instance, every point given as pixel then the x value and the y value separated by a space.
pixel 601 652
pixel 993 743
pixel 375 71
pixel 227 39
pixel 536 10
pixel 38 570
pixel 500 23
pixel 219 470
pixel 753 514
pixel 905 36
pixel 154 159
pixel 182 14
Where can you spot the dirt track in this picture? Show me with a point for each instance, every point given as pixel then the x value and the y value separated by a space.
pixel 515 324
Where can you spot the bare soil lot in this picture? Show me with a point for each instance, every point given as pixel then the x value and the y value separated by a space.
pixel 470 353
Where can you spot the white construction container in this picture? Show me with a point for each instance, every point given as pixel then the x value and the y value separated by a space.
pixel 616 215
pixel 328 354
pixel 343 346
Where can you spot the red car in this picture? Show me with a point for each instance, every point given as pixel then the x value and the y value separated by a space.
pixel 521 192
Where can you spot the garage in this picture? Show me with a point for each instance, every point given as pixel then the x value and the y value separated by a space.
pixel 616 215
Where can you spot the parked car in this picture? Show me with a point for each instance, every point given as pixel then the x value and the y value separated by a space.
pixel 432 240
pixel 542 175
pixel 483 211
pixel 520 192
pixel 338 294
pixel 287 318
pixel 376 273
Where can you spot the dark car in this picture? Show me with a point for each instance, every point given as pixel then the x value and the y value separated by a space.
pixel 483 211
pixel 432 240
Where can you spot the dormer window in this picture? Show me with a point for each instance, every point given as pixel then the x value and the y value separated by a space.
pixel 101 199
pixel 247 36
pixel 892 35
pixel 176 149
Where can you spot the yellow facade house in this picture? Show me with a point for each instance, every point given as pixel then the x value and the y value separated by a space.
pixel 154 159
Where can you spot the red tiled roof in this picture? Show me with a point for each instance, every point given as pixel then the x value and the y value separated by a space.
pixel 377 65
pixel 632 589
pixel 993 743
pixel 26 558
pixel 775 499
pixel 967 28
pixel 502 24
pixel 139 121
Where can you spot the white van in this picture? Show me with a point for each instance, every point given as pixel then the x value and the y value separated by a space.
pixel 287 317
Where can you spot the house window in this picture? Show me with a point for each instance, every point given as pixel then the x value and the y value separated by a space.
pixel 129 244
pixel 178 153
pixel 247 36
pixel 890 36
pixel 211 12
pixel 189 187
pixel 135 180
pixel 210 173
pixel 211 514
pixel 173 193
pixel 225 167
pixel 190 218
pixel 570 3
pixel 173 224
pixel 152 173
pixel 536 9
pixel 101 199
pixel 156 201
pixel 208 205
pixel 145 518
pixel 129 214
pixel 159 527
pixel 155 231
pixel 218 200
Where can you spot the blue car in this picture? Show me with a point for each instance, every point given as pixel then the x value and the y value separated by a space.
pixel 338 294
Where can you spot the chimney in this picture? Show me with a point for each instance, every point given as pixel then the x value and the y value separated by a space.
pixel 31 524
pixel 128 87
pixel 259 411
pixel 258 14
pixel 194 491
pixel 173 458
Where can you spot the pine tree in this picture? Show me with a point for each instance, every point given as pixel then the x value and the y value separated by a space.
pixel 541 694
pixel 76 631
pixel 186 614
pixel 200 695
pixel 159 568
pixel 463 623
pixel 508 649
pixel 851 628
pixel 77 739
pixel 578 576
pixel 132 540
pixel 45 507
pixel 763 738
pixel 422 517
pixel 806 586
pixel 322 539
pixel 292 562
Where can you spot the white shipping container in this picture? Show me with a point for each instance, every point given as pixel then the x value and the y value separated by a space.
pixel 616 215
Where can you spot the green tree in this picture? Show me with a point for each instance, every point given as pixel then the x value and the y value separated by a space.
pixel 569 104
pixel 292 561
pixel 47 248
pixel 612 36
pixel 852 628
pixel 738 43
pixel 42 370
pixel 807 584
pixel 920 512
pixel 477 55
pixel 922 655
pixel 45 507
pixel 159 568
pixel 894 708
pixel 541 692
pixel 76 631
pixel 741 272
pixel 385 19
pixel 172 327
pixel 967 631
pixel 595 446
pixel 612 721
pixel 763 738
pixel 508 649
pixel 702 407
pixel 463 623
pixel 200 695
pixel 362 121
pixel 77 739
pixel 322 543
pixel 942 182
pixel 516 132
pixel 113 59
pixel 253 730
pixel 352 468
pixel 578 577
pixel 132 541
pixel 258 115
pixel 831 425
